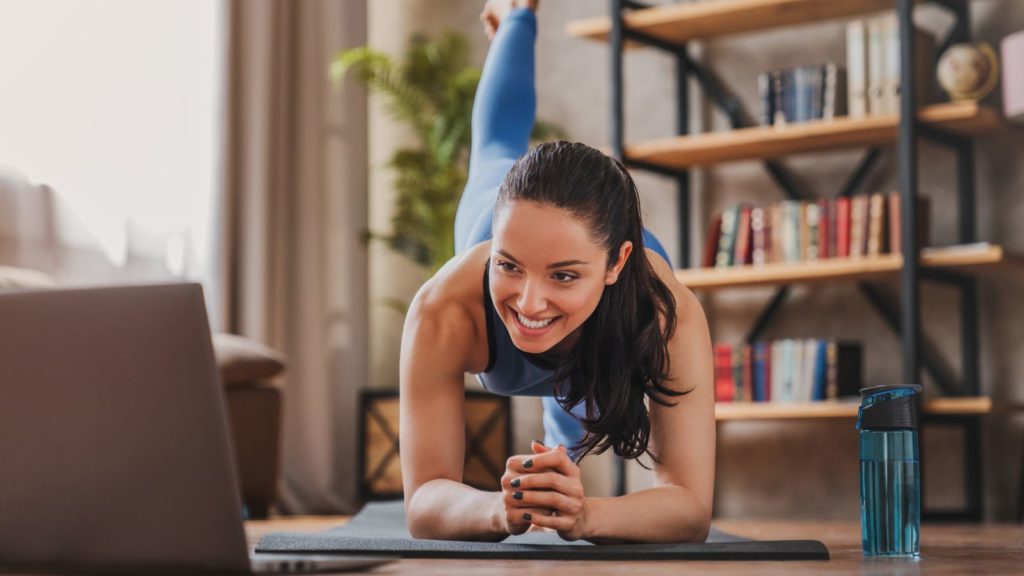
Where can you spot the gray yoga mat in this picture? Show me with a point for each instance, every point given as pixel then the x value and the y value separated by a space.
pixel 380 529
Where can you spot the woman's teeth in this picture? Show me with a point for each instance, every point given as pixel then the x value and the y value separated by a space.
pixel 535 325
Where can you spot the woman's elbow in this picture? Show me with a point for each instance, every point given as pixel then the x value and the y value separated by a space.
pixel 417 520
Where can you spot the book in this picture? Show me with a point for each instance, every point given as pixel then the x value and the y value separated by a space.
pixel 875 68
pixel 778 371
pixel 924 65
pixel 843 227
pixel 764 95
pixel 803 232
pixel 844 369
pixel 723 373
pixel 759 232
pixel 877 225
pixel 738 374
pixel 857 68
pixel 743 247
pixel 747 361
pixel 858 226
pixel 833 97
pixel 776 224
pixel 812 222
pixel 778 104
pixel 711 244
pixel 762 372
pixel 820 370
pixel 727 237
pixel 796 370
pixel 826 228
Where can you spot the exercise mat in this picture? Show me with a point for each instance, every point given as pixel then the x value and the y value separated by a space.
pixel 380 529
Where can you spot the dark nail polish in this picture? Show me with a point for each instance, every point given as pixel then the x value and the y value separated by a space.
pixel 517 495
pixel 527 516
pixel 515 483
pixel 528 463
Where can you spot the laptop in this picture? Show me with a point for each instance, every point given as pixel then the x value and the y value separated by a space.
pixel 115 453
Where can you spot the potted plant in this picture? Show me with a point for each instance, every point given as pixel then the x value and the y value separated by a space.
pixel 431 89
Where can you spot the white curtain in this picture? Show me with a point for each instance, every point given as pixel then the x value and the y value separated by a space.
pixel 292 267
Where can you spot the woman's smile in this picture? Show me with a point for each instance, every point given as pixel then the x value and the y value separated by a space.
pixel 533 327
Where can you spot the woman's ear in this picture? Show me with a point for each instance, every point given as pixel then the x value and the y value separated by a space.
pixel 612 276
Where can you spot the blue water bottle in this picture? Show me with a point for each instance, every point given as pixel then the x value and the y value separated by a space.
pixel 890 471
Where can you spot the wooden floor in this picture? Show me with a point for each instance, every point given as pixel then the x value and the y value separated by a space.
pixel 959 549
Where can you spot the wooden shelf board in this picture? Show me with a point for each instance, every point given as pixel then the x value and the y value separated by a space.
pixel 678 23
pixel 965 406
pixel 763 142
pixel 967 259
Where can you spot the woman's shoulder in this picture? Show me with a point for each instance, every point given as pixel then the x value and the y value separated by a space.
pixel 459 282
pixel 450 305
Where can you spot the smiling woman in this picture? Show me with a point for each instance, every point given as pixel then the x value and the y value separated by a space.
pixel 577 304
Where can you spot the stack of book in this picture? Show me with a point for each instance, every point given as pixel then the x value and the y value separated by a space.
pixel 787 371
pixel 873 66
pixel 802 94
pixel 801 231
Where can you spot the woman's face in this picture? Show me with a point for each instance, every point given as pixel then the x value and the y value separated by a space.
pixel 547 273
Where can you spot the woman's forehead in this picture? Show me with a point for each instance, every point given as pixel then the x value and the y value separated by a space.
pixel 540 234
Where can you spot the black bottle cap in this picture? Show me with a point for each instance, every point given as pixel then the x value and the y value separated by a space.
pixel 891 414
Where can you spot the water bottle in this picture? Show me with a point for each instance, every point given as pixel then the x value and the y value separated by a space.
pixel 890 471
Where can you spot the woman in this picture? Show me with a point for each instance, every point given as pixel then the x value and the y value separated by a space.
pixel 556 291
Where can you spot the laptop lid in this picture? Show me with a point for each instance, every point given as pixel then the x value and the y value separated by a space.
pixel 114 443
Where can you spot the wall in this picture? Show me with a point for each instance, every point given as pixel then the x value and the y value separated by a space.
pixel 757 460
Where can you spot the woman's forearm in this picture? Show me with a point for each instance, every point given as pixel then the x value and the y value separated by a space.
pixel 662 514
pixel 448 510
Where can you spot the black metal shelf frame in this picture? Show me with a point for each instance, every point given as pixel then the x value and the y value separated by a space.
pixel 904 321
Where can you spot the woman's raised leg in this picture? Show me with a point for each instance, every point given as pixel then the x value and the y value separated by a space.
pixel 503 115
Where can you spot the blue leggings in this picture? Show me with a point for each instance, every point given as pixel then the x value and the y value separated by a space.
pixel 503 115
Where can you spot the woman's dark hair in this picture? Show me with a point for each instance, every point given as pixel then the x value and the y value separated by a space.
pixel 622 353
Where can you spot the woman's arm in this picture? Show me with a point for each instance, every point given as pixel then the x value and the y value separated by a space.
pixel 436 341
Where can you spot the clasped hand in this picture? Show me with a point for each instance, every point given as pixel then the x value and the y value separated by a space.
pixel 544 490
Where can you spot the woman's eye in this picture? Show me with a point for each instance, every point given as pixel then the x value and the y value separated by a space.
pixel 506 266
pixel 563 277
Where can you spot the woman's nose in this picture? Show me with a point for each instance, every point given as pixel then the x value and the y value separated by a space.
pixel 531 299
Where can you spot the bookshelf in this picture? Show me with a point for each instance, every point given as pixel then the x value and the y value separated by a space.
pixel 669 28
pixel 973 259
pixel 679 23
pixel 830 409
pixel 762 142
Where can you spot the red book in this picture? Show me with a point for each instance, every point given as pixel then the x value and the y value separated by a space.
pixel 711 245
pixel 823 230
pixel 843 227
pixel 723 373
pixel 743 244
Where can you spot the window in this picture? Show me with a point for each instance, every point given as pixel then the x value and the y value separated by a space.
pixel 114 104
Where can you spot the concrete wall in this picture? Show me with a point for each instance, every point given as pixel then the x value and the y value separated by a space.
pixel 780 469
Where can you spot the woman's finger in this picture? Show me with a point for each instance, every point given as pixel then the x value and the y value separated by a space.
pixel 556 460
pixel 559 523
pixel 565 505
pixel 546 481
